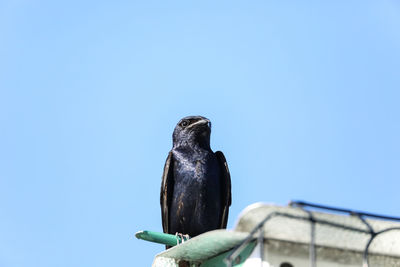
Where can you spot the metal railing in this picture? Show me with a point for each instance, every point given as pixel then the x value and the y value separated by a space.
pixel 312 254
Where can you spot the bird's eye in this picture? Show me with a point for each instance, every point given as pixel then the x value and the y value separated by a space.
pixel 184 123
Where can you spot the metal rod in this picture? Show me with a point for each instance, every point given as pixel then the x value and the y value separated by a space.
pixel 161 238
pixel 373 235
pixel 261 244
pixel 312 239
pixel 353 212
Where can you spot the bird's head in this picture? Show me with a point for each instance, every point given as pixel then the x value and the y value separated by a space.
pixel 192 130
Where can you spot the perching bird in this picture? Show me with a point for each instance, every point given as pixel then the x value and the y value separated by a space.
pixel 196 184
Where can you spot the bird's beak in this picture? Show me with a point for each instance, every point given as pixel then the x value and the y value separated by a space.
pixel 201 122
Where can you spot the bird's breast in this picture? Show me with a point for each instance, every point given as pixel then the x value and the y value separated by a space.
pixel 196 167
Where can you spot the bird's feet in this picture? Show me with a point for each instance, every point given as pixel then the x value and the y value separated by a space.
pixel 181 238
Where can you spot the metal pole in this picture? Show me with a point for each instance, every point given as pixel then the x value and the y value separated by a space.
pixel 261 244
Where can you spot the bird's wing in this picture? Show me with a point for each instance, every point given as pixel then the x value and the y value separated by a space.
pixel 167 186
pixel 225 179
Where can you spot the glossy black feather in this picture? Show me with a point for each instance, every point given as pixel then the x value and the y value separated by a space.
pixel 225 180
pixel 166 191
pixel 196 187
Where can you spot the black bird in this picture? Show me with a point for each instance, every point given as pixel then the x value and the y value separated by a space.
pixel 196 184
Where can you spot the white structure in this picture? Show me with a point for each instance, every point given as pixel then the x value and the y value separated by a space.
pixel 339 240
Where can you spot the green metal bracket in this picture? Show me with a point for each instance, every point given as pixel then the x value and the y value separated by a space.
pixel 161 238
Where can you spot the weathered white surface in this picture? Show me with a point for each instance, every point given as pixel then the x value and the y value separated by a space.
pixel 288 239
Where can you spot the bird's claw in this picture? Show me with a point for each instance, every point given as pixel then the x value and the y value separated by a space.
pixel 181 238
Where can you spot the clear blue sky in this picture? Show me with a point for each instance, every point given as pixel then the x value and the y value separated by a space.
pixel 303 97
